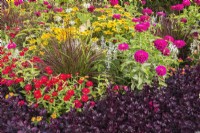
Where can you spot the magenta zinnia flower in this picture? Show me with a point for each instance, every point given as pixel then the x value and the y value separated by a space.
pixel 186 2
pixel 183 20
pixel 177 7
pixel 142 27
pixel 116 16
pixel 136 20
pixel 161 14
pixel 18 2
pixel 114 2
pixel 179 43
pixel 197 2
pixel 169 38
pixel 11 45
pixel 160 44
pixel 141 56
pixel 144 18
pixel 91 8
pixel 166 52
pixel 161 70
pixel 123 47
pixel 147 11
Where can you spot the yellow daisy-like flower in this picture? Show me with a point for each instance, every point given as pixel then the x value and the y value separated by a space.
pixel 45 36
pixel 103 17
pixel 38 118
pixel 53 115
pixel 97 29
pixel 32 47
pixel 95 39
pixel 41 53
pixel 6 97
pixel 33 119
pixel 82 78
pixel 75 9
pixel 108 32
pixel 11 94
pixel 32 41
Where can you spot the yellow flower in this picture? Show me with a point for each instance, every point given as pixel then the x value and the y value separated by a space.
pixel 33 119
pixel 39 118
pixel 45 36
pixel 32 47
pixel 75 9
pixel 95 39
pixel 95 24
pixel 107 32
pixel 6 97
pixel 82 78
pixel 53 115
pixel 103 17
pixel 97 29
pixel 11 94
pixel 41 53
pixel 32 41
pixel 86 77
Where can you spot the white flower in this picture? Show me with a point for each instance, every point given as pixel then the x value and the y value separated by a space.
pixel 71 22
pixel 57 18
pixel 68 10
pixel 86 5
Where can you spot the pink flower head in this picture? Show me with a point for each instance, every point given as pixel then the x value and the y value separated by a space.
pixel 147 11
pixel 49 6
pixel 186 2
pixel 45 2
pixel 143 2
pixel 116 16
pixel 123 46
pixel 161 70
pixel 166 52
pixel 142 27
pixel 183 20
pixel 91 8
pixel 197 2
pixel 136 20
pixel 38 14
pixel 169 38
pixel 161 14
pixel 177 7
pixel 179 43
pixel 141 56
pixel 58 9
pixel 114 2
pixel 18 2
pixel 11 45
pixel 144 18
pixel 160 44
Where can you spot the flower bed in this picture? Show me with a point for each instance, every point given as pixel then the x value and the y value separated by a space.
pixel 112 66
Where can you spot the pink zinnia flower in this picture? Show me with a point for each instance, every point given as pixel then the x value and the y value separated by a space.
pixel 91 8
pixel 161 14
pixel 197 2
pixel 147 11
pixel 177 7
pixel 114 2
pixel 161 70
pixel 144 18
pixel 136 20
pixel 183 20
pixel 49 6
pixel 169 38
pixel 143 2
pixel 11 45
pixel 142 27
pixel 58 9
pixel 45 2
pixel 18 2
pixel 116 16
pixel 166 52
pixel 123 46
pixel 179 43
pixel 186 2
pixel 141 56
pixel 38 14
pixel 160 44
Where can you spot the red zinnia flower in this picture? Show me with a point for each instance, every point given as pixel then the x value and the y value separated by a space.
pixel 37 94
pixel 84 98
pixel 85 90
pixel 89 83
